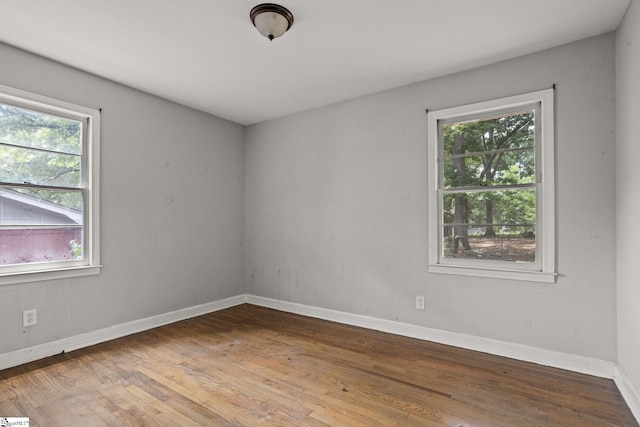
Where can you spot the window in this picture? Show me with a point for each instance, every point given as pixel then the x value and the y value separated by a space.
pixel 491 189
pixel 48 188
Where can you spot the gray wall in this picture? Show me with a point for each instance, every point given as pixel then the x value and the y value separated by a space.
pixel 337 213
pixel 172 199
pixel 628 193
pixel 336 209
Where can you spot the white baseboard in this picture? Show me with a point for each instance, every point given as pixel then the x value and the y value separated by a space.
pixel 628 391
pixel 40 351
pixel 569 362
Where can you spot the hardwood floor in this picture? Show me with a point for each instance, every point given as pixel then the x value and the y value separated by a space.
pixel 253 366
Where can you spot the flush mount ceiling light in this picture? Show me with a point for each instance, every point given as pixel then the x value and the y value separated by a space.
pixel 271 20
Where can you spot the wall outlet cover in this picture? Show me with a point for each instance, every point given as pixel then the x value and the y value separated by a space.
pixel 29 317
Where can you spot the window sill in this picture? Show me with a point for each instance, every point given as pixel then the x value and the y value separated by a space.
pixel 522 275
pixel 41 275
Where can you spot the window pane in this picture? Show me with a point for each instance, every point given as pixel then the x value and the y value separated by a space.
pixel 498 150
pixel 37 245
pixel 511 167
pixel 23 207
pixel 510 243
pixel 497 133
pixel 23 165
pixel 476 223
pixel 37 130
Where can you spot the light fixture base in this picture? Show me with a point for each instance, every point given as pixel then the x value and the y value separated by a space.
pixel 271 20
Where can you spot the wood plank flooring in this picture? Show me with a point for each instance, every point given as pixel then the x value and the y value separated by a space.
pixel 251 366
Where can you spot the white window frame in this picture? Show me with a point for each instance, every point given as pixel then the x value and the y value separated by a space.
pixel 544 268
pixel 90 264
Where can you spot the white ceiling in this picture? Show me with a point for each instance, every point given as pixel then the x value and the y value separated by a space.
pixel 207 55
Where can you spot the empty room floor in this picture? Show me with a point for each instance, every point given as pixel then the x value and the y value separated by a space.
pixel 249 366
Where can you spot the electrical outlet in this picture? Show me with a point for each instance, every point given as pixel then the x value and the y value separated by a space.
pixel 29 317
pixel 420 302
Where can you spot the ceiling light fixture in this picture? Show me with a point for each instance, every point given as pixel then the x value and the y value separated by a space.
pixel 271 20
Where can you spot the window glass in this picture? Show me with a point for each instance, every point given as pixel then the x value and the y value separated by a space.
pixel 495 159
pixel 48 218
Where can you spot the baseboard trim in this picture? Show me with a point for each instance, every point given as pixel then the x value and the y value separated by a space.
pixel 569 362
pixel 40 351
pixel 628 391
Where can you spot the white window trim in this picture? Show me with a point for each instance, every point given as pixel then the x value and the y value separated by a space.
pixel 545 205
pixel 91 145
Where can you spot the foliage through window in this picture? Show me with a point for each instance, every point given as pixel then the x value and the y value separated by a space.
pixel 493 187
pixel 48 179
